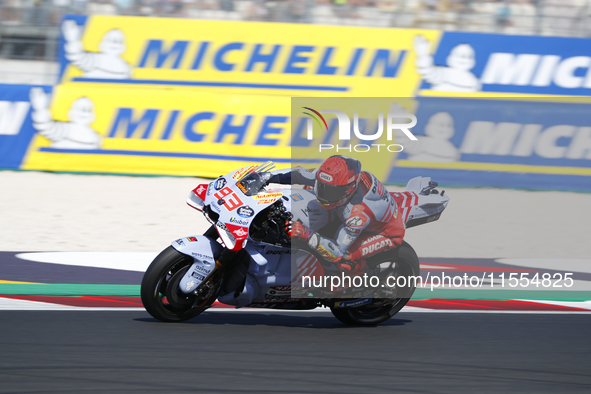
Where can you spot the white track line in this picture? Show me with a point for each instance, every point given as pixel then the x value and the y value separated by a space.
pixel 24 305
pixel 7 304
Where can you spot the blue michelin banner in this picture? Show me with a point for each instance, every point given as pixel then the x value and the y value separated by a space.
pixel 499 143
pixel 495 63
pixel 16 130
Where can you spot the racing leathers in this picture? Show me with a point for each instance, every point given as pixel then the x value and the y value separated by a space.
pixel 370 222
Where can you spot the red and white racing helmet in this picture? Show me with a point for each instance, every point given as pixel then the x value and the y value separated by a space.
pixel 336 181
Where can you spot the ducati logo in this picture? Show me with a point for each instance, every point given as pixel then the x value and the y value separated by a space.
pixel 376 246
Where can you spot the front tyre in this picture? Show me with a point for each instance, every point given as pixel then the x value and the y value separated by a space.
pixel 160 290
pixel 406 264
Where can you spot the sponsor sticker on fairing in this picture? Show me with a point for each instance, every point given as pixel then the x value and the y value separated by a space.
pixel 280 251
pixel 241 173
pixel 189 285
pixel 245 211
pixel 240 232
pixel 201 256
pixel 200 190
pixel 238 221
pixel 265 201
pixel 202 270
pixel 242 188
pixel 297 197
pixel 279 291
pixel 220 183
pixel 267 195
pixel 198 276
pixel 433 218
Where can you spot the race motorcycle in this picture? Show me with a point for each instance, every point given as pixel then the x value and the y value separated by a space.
pixel 246 258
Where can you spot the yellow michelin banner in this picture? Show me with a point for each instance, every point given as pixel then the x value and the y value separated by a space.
pixel 240 57
pixel 151 131
pixel 192 97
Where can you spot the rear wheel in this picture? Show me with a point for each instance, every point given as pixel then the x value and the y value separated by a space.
pixel 160 290
pixel 404 262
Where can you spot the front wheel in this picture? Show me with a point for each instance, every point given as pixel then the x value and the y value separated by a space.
pixel 405 262
pixel 160 290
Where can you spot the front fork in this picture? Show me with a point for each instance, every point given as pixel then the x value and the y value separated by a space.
pixel 203 276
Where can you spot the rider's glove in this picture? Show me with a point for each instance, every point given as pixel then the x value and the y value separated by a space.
pixel 297 230
pixel 351 268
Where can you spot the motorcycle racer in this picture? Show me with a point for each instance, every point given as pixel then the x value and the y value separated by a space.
pixel 368 213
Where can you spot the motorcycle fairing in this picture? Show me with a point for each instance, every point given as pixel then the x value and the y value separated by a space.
pixel 233 209
pixel 269 277
pixel 419 203
pixel 203 250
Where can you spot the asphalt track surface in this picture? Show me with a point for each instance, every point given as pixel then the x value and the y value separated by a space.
pixel 293 352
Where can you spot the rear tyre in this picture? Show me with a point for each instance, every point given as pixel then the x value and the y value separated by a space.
pixel 160 290
pixel 406 264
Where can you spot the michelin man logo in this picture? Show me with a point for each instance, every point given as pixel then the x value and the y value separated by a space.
pixel 435 146
pixel 107 63
pixel 75 134
pixel 456 77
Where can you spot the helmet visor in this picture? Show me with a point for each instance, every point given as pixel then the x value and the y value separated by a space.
pixel 332 194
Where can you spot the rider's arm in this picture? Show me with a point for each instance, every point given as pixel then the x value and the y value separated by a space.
pixel 294 176
pixel 327 247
